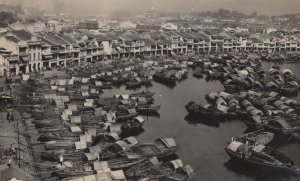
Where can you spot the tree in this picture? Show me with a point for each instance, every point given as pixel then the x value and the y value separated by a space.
pixel 8 17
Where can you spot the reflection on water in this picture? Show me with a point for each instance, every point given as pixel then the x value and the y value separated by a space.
pixel 202 144
pixel 210 121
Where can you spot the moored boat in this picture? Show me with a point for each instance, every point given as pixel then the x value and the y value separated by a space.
pixel 160 148
pixel 260 156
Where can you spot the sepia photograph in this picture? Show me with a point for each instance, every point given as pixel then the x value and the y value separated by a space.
pixel 149 90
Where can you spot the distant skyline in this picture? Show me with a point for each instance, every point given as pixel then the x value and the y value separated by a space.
pixel 268 7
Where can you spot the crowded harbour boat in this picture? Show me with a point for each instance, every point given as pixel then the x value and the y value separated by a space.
pixel 71 131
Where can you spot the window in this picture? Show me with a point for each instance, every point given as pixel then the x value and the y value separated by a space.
pixel 33 56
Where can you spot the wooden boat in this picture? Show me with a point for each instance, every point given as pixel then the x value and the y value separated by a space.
pixel 58 144
pixel 142 169
pixel 147 94
pixel 133 125
pixel 69 155
pixel 197 109
pixel 257 137
pixel 152 168
pixel 72 172
pixel 123 163
pixel 207 110
pixel 146 81
pixel 160 77
pixel 260 156
pixel 147 109
pixel 124 115
pixel 160 148
pixel 198 74
pixel 287 126
pixel 133 84
pixel 175 171
pixel 289 89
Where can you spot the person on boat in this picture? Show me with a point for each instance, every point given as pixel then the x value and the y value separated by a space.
pixel 61 160
pixel 98 157
pixel 9 162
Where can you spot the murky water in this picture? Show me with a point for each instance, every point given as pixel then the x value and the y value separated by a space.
pixel 202 144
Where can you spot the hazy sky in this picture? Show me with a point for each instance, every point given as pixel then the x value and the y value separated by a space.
pixel 269 7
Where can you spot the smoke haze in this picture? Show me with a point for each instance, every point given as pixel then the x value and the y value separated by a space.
pixel 268 7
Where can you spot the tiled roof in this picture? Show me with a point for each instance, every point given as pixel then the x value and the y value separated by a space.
pixel 13 39
pixel 22 34
pixel 148 41
pixel 255 40
pixel 68 38
pixel 46 40
pixel 103 38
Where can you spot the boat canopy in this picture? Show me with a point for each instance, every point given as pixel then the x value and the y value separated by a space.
pixel 176 163
pixel 258 94
pixel 234 146
pixel 113 135
pixel 249 69
pixel 85 80
pixel 91 156
pixel 122 144
pixel 212 95
pixel 271 84
pixel 227 81
pixel 68 112
pixel 131 111
pixel 141 99
pixel 294 83
pixel 273 71
pixel 154 161
pixel 256 112
pixel 115 128
pixel 283 123
pixel 117 175
pixel 273 94
pixel 75 119
pixel 188 170
pixel 259 84
pixel 140 119
pixel 169 142
pixel 75 129
pixel 288 100
pixel 287 72
pixel 256 118
pixel 132 141
pixel 72 107
pixel 278 103
pixel 110 116
pixel 80 145
pixel 95 149
pixel 98 83
pixel 222 108
pixel 221 101
pixel 101 166
pixel 258 148
pixel 224 95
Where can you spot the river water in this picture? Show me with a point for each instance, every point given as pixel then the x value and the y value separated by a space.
pixel 202 144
